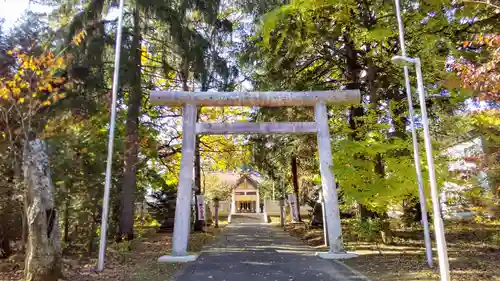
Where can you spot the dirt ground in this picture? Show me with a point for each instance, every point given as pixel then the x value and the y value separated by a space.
pixel 473 249
pixel 127 261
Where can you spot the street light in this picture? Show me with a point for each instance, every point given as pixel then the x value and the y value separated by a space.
pixel 111 137
pixel 416 155
pixel 444 267
pixel 404 60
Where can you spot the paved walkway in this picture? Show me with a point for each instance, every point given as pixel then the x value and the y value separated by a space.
pixel 255 252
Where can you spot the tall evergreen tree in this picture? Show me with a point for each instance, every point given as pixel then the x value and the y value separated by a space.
pixel 313 45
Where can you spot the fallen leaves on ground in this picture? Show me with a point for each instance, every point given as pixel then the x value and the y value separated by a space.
pixel 134 262
pixel 472 252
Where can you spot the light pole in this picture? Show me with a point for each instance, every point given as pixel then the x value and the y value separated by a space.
pixel 444 267
pixel 107 184
pixel 416 155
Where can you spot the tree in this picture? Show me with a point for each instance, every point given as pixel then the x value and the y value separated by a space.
pixel 193 43
pixel 477 67
pixel 215 188
pixel 478 73
pixel 313 45
pixel 75 128
pixel 27 93
pixel 128 189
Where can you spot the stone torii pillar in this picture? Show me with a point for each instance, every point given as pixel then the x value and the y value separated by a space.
pixel 190 100
pixel 329 188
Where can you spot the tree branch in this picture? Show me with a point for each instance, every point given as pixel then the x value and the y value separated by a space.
pixel 487 3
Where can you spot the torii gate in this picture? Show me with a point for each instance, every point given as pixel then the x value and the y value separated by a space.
pixel 190 100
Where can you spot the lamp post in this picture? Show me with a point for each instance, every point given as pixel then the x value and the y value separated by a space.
pixel 107 185
pixel 444 267
pixel 416 155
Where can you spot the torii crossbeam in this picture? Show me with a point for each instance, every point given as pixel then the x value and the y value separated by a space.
pixel 190 100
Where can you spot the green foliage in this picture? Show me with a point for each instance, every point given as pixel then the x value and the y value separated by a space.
pixel 330 45
pixel 162 204
pixel 215 188
pixel 495 239
pixel 367 229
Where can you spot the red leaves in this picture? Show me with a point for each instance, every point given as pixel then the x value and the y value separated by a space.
pixel 483 78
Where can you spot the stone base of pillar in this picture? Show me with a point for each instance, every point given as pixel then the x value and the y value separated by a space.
pixel 175 259
pixel 336 256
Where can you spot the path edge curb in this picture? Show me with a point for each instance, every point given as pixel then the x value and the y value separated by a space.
pixel 356 272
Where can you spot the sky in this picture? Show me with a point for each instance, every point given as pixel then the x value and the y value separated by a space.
pixel 12 10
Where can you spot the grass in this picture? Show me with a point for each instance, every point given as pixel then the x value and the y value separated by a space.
pixel 473 250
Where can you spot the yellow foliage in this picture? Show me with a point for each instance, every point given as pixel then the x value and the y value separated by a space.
pixel 488 118
pixel 29 85
pixel 79 37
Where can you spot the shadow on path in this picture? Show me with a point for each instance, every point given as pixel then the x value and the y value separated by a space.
pixel 254 252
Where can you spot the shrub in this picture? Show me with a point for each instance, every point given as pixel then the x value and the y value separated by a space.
pixel 367 229
pixel 495 239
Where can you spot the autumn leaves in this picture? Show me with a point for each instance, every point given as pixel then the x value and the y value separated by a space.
pixel 34 81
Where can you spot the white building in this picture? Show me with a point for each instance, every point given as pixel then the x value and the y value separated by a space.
pixel 453 203
pixel 246 198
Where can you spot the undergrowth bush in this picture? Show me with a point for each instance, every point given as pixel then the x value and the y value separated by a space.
pixel 367 229
pixel 495 239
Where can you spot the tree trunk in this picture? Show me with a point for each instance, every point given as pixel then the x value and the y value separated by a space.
pixel 352 74
pixel 66 220
pixel 115 216
pixel 295 182
pixel 19 187
pixel 132 139
pixel 43 255
pixel 364 213
pixel 385 230
pixel 91 236
pixel 412 212
pixel 7 210
pixel 5 250
pixel 198 225
pixel 24 231
pixel 66 212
